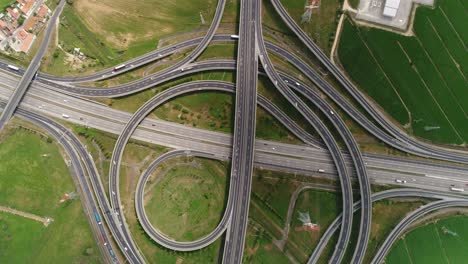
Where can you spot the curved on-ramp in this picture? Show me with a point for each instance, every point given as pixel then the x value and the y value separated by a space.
pixel 153 232
pixel 325 134
pixel 136 119
pixel 394 193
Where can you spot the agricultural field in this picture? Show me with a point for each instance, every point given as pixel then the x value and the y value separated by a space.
pixel 442 241
pixel 420 80
pixel 35 177
pixel 186 198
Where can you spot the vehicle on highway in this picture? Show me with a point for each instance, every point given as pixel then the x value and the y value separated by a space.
pixel 321 170
pixel 235 36
pixel 457 189
pixel 119 67
pixel 98 219
pixel 400 181
pixel 11 67
pixel 65 116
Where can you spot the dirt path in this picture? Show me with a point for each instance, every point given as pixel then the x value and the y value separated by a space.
pixel 45 220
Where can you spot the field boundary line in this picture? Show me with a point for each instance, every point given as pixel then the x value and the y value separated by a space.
pixel 453 28
pixel 407 251
pixel 415 69
pixel 445 47
pixel 440 242
pixel 439 73
pixel 45 220
pixel 410 118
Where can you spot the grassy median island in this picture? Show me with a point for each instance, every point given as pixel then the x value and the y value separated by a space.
pixel 186 199
pixel 322 208
pixel 33 178
pixel 386 215
pixel 442 241
pixel 420 80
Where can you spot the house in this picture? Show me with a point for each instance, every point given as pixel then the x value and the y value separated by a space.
pixel 43 12
pixel 30 24
pixel 22 41
pixel 13 13
pixel 27 8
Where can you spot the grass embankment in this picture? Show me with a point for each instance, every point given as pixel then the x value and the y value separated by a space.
pixel 259 248
pixel 424 74
pixel 34 177
pixel 385 216
pixel 188 201
pixel 442 241
pixel 322 24
pixel 271 194
pixel 353 3
pixel 109 31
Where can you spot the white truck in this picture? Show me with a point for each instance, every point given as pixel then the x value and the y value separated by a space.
pixel 65 116
pixel 457 189
pixel 11 67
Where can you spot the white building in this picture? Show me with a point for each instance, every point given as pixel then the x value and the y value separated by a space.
pixel 391 8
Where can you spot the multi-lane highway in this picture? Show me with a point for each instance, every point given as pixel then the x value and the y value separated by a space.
pixel 308 71
pixel 305 159
pixel 88 200
pixel 124 137
pixel 397 133
pixel 244 134
pixel 28 75
pixel 323 158
pixel 332 145
pixel 118 232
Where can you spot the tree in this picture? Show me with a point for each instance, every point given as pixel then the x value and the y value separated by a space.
pixel 20 20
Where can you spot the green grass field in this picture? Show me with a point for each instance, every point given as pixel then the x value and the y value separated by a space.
pixel 111 31
pixel 443 241
pixel 259 248
pixel 6 3
pixel 323 22
pixel 33 183
pixel 322 207
pixel 188 202
pixel 385 216
pixel 421 80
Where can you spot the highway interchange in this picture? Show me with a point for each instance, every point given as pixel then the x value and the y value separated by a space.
pixel 54 95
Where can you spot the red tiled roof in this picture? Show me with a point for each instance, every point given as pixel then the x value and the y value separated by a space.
pixel 30 23
pixel 27 43
pixel 12 13
pixel 42 11
pixel 22 34
pixel 25 9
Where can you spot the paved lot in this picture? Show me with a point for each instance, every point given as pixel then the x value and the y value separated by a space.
pixel 372 11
